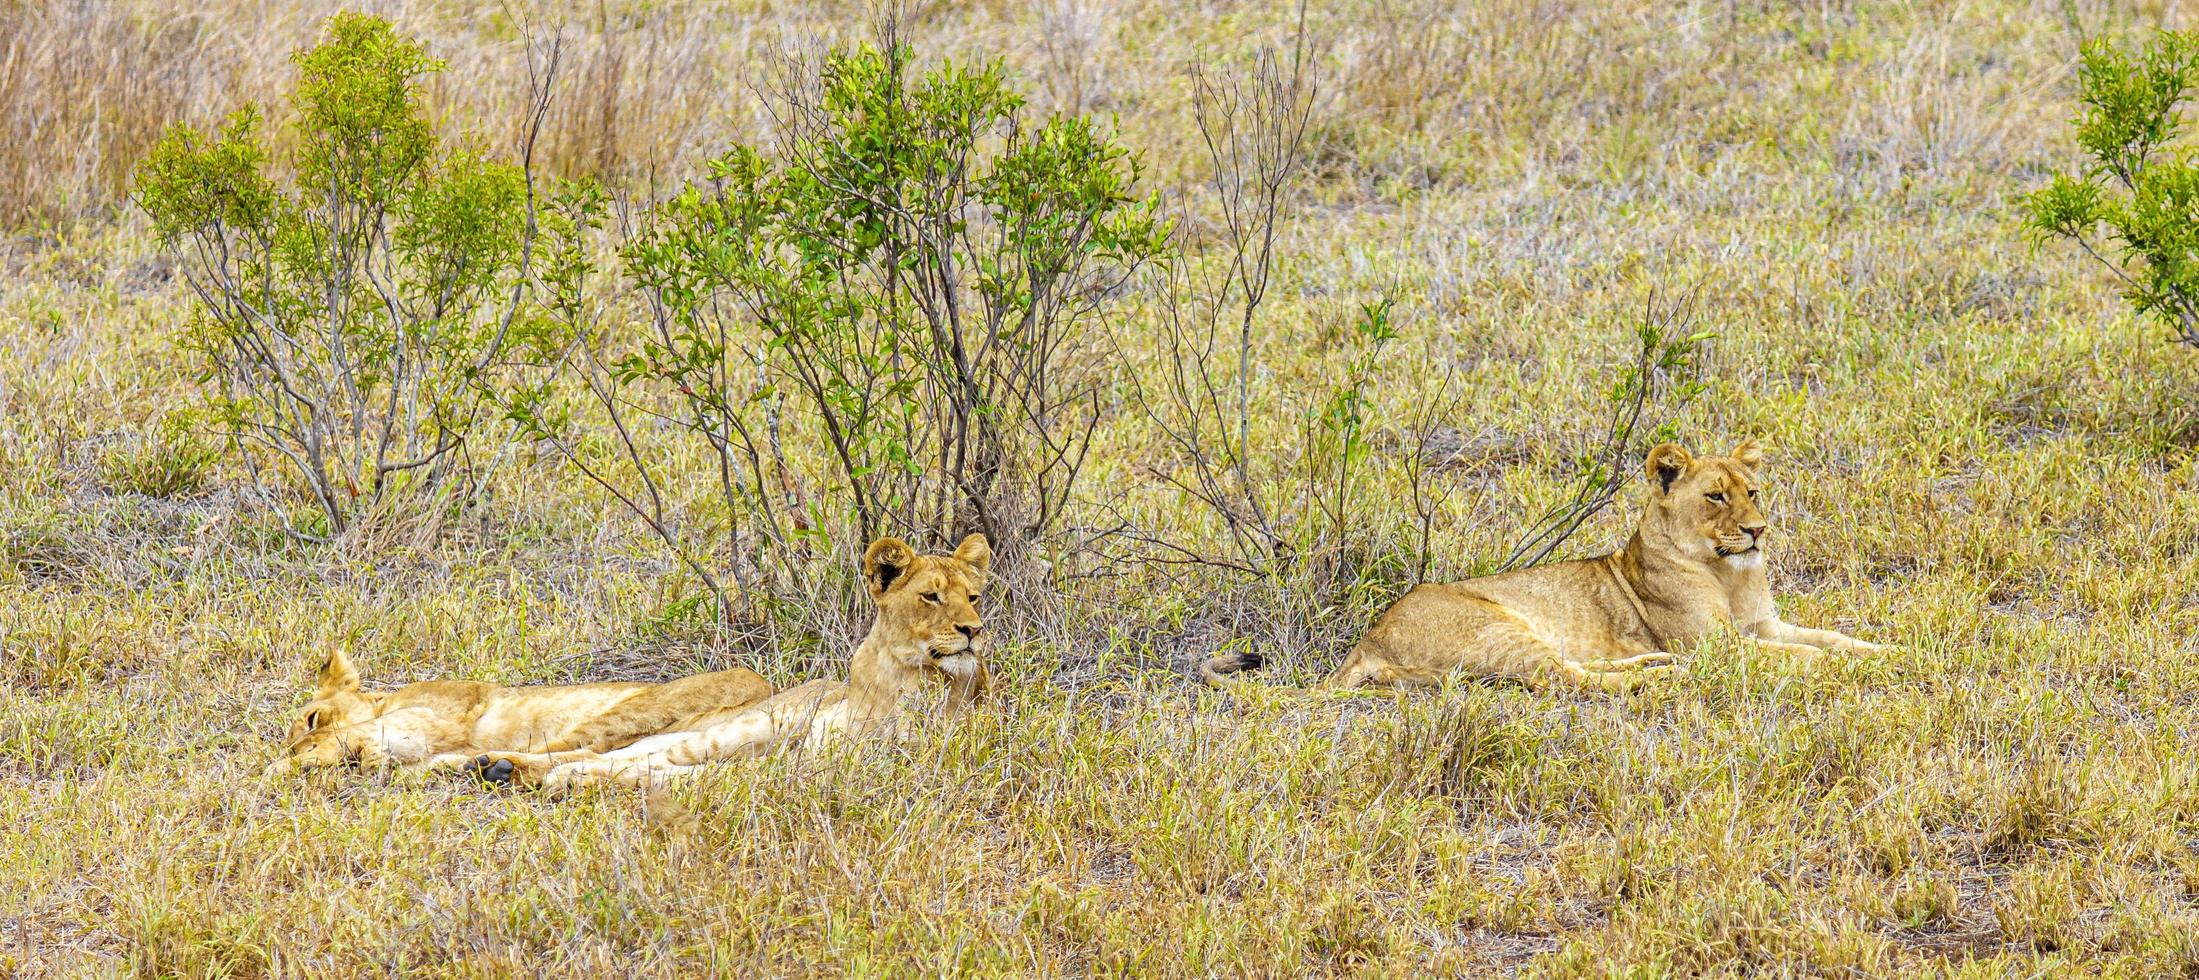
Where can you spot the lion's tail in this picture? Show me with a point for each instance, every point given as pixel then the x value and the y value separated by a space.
pixel 1216 669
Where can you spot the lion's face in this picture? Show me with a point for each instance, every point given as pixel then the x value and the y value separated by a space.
pixel 1709 506
pixel 927 604
pixel 322 714
pixel 337 701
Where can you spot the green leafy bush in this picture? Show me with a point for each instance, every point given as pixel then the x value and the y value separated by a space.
pixel 908 283
pixel 352 295
pixel 2136 207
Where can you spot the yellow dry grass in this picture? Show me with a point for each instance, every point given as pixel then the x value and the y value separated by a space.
pixel 1976 452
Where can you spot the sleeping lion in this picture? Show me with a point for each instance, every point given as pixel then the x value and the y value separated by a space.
pixel 344 724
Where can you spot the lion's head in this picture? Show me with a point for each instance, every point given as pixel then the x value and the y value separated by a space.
pixel 337 701
pixel 1707 507
pixel 927 604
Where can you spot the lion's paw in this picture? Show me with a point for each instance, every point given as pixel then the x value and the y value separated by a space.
pixel 497 769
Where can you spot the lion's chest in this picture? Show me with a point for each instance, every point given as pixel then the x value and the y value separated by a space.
pixel 1683 611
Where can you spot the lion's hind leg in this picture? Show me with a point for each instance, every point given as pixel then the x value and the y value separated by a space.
pixel 649 722
pixel 665 708
pixel 1355 671
pixel 1640 660
pixel 1365 668
pixel 1588 677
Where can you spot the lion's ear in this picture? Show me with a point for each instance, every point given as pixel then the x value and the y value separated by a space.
pixel 976 552
pixel 1666 463
pixel 337 675
pixel 885 562
pixel 1750 453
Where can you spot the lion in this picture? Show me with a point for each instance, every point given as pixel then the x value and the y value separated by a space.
pixel 1694 565
pixel 417 723
pixel 927 625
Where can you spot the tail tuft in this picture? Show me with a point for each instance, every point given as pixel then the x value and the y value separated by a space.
pixel 1214 668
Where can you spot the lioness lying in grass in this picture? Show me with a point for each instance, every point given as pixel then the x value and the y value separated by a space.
pixel 1695 564
pixel 927 624
pixel 411 725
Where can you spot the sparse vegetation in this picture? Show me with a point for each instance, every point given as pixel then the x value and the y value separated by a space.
pixel 1660 382
pixel 172 458
pixel 1984 453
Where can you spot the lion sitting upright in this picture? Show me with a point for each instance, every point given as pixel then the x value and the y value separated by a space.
pixel 1695 564
pixel 927 625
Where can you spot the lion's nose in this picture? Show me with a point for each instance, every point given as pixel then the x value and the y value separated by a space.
pixel 969 630
pixel 1755 532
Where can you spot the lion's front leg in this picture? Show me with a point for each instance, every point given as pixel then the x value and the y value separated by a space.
pixel 653 759
pixel 1780 631
pixel 420 770
pixel 1799 652
pixel 458 761
pixel 634 773
pixel 520 769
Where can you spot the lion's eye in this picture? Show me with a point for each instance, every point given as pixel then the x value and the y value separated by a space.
pixel 1716 498
pixel 1752 493
pixel 931 597
pixel 973 598
pixel 312 720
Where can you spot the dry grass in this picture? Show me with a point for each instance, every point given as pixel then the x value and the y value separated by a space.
pixel 1976 453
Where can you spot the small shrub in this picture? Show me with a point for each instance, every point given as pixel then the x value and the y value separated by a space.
pixel 1339 444
pixel 910 284
pixel 2135 208
pixel 347 314
pixel 1252 120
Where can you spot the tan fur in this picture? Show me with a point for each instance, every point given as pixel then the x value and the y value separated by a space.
pixel 1694 565
pixel 927 624
pixel 411 725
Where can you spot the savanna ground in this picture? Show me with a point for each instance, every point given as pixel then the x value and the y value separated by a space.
pixel 1976 452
